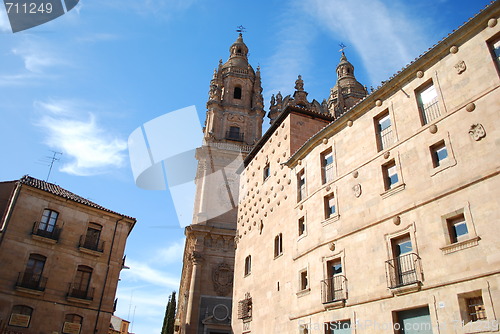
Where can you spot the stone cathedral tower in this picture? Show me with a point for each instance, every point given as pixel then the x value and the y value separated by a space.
pixel 233 124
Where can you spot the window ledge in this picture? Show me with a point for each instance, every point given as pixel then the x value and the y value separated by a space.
pixel 44 239
pixel 304 292
pixel 302 236
pixel 405 289
pixel 247 275
pixel 89 251
pixel 79 301
pixel 278 256
pixel 334 304
pixel 444 166
pixel 481 326
pixel 393 190
pixel 29 291
pixel 330 220
pixel 457 246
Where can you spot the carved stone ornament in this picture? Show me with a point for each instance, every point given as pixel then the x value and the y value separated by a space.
pixel 196 257
pixel 454 49
pixel 331 246
pixel 433 128
pixel 492 22
pixel 470 107
pixel 460 67
pixel 396 220
pixel 420 74
pixel 357 190
pixel 222 277
pixel 477 132
pixel 355 174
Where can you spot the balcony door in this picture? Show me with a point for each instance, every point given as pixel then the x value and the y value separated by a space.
pixel 403 261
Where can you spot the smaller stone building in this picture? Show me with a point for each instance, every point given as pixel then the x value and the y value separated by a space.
pixel 61 257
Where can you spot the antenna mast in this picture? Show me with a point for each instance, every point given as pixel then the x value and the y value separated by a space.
pixel 53 159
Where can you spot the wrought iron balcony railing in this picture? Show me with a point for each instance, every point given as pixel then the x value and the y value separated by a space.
pixel 430 111
pixel 403 270
pixel 334 289
pixel 79 292
pixel 31 281
pixel 42 230
pixel 236 136
pixel 91 243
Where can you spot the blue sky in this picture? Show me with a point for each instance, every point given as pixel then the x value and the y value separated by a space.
pixel 83 82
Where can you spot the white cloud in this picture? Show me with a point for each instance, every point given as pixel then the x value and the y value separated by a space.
pixel 141 271
pixel 385 37
pixel 173 253
pixel 89 147
pixel 36 59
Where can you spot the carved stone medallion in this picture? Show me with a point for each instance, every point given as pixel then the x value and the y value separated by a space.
pixel 357 190
pixel 460 67
pixel 477 132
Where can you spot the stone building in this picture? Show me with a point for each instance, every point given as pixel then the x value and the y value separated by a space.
pixel 61 256
pixel 233 124
pixel 378 213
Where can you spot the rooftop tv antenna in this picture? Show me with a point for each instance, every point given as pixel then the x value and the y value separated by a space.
pixel 52 159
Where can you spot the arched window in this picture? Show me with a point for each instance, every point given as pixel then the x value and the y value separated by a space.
pixel 20 316
pixel 81 285
pixel 48 221
pixel 72 324
pixel 92 237
pixel 237 93
pixel 278 245
pixel 248 265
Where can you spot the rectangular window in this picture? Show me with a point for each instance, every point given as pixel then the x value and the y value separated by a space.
pixel 439 153
pixel 327 166
pixel 302 226
pixel 384 131
pixel 304 282
pixel 413 321
pixel 428 104
pixel 301 186
pixel 267 171
pixel 338 327
pixel 330 209
pixel 495 52
pixel 390 175
pixel 457 227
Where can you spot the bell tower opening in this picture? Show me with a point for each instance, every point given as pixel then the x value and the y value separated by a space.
pixel 237 93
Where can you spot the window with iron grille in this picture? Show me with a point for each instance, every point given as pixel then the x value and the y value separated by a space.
pixel 495 51
pixel 384 130
pixel 427 99
pixel 245 307
pixel 475 308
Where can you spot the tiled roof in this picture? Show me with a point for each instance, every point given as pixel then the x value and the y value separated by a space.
pixel 61 192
